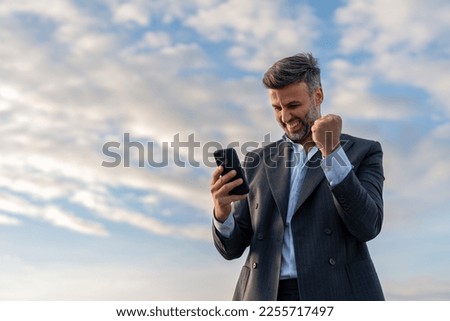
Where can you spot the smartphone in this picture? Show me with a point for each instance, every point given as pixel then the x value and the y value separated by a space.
pixel 229 159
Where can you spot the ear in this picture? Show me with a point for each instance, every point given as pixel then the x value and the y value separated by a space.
pixel 318 96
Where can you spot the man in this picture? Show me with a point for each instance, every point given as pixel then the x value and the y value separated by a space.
pixel 315 200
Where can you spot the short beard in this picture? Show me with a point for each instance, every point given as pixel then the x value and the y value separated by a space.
pixel 307 123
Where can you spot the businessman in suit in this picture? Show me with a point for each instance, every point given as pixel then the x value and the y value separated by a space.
pixel 315 200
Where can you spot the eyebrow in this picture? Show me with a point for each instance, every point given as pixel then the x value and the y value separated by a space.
pixel 290 104
pixel 294 102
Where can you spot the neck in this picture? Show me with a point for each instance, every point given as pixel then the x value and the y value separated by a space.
pixel 307 143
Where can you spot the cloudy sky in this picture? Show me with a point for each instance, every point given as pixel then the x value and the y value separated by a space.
pixel 76 76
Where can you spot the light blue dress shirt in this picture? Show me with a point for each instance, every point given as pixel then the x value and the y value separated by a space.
pixel 335 171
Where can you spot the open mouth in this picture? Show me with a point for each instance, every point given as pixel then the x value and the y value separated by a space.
pixel 297 129
pixel 293 125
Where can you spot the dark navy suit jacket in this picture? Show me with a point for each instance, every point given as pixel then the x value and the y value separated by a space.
pixel 330 226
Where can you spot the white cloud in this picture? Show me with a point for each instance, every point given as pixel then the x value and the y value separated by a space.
pixel 258 32
pixel 72 27
pixel 54 152
pixel 8 220
pixel 58 114
pixel 399 47
pixel 403 46
pixel 50 213
pixel 156 40
pixel 381 26
pixel 109 209
pixel 132 11
pixel 60 10
pixel 52 175
pixel 351 94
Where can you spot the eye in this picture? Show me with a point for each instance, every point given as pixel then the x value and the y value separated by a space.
pixel 277 108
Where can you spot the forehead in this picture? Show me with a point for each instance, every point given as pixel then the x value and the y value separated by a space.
pixel 285 95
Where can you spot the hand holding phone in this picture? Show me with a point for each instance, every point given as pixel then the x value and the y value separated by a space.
pixel 229 159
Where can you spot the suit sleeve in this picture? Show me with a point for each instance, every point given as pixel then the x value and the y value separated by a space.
pixel 359 197
pixel 234 245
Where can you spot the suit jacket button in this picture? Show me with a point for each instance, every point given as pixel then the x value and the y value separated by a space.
pixel 332 261
pixel 260 236
pixel 327 231
pixel 254 265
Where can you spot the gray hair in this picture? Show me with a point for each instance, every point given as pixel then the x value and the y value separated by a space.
pixel 302 67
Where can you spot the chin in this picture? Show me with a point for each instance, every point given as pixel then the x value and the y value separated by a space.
pixel 298 136
pixel 295 136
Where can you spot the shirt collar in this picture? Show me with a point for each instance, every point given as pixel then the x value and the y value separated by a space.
pixel 298 148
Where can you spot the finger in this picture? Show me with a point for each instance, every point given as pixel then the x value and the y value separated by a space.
pixel 225 189
pixel 216 175
pixel 228 176
pixel 233 198
pixel 315 124
pixel 320 120
pixel 222 180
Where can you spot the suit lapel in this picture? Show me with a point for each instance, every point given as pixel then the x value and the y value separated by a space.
pixel 346 144
pixel 278 175
pixel 314 174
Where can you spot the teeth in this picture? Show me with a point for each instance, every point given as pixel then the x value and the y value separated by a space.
pixel 293 124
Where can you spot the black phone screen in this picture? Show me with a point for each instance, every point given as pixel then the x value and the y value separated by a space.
pixel 229 159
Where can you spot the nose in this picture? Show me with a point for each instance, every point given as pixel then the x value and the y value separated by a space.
pixel 285 115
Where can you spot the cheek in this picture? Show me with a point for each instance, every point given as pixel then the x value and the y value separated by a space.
pixel 277 115
pixel 300 114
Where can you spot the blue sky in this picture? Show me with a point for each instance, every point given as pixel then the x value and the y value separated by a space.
pixel 78 74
